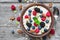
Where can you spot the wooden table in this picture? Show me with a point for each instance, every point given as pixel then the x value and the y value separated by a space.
pixel 6 13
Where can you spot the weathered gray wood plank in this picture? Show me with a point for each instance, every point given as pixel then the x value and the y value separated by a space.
pixel 24 0
pixel 32 0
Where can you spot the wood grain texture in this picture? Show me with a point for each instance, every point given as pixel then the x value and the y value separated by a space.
pixel 32 0
pixel 5 13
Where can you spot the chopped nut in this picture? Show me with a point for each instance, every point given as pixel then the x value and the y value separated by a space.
pixel 12 18
pixel 32 31
pixel 20 7
pixel 50 5
pixel 19 31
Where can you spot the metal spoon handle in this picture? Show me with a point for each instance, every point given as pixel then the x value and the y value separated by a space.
pixel 56 14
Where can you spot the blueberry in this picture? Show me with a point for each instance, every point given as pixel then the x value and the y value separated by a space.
pixel 54 7
pixel 19 0
pixel 41 11
pixel 39 27
pixel 45 30
pixel 44 38
pixel 13 31
pixel 29 24
pixel 47 21
pixel 29 14
pixel 42 24
pixel 37 9
pixel 30 21
pixel 41 16
pixel 28 29
pixel 29 11
pixel 33 27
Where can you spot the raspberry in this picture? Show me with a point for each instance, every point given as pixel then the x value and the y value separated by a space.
pixel 18 18
pixel 26 16
pixel 35 24
pixel 34 13
pixel 43 18
pixel 13 7
pixel 48 14
pixel 37 30
pixel 52 31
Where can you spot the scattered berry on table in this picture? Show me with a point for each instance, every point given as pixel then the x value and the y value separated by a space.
pixel 13 7
pixel 18 19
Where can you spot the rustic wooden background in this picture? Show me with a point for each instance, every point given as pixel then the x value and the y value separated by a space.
pixel 6 13
pixel 32 0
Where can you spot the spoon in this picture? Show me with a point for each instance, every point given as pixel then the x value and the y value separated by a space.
pixel 56 15
pixel 56 12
